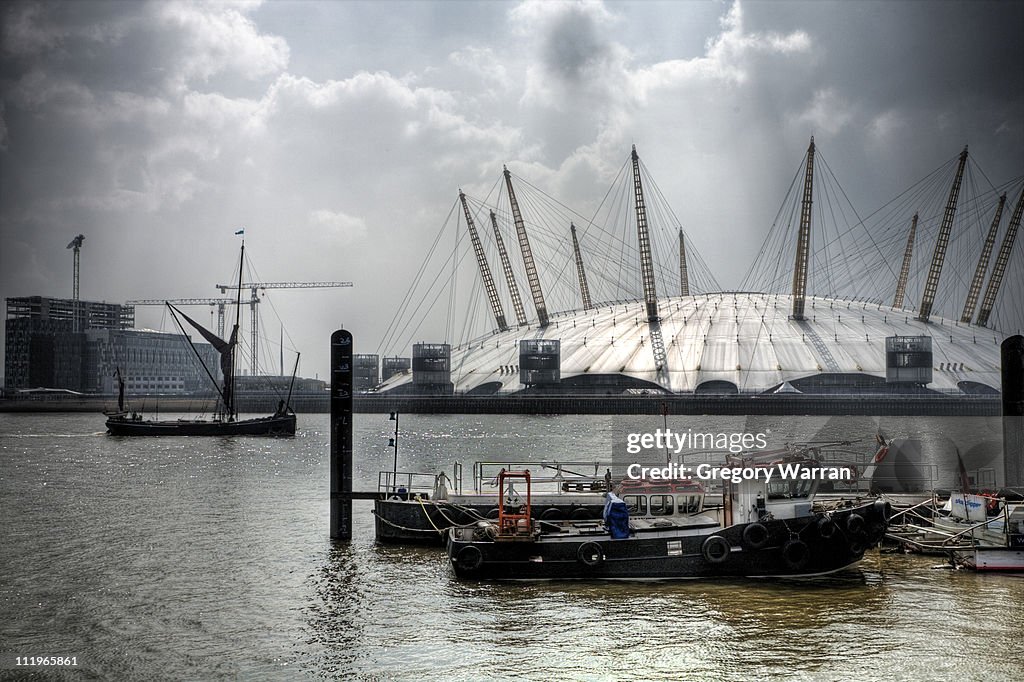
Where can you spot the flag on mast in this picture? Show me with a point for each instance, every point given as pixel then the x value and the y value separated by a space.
pixel 242 231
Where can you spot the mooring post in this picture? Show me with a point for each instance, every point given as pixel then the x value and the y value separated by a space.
pixel 341 435
pixel 1012 352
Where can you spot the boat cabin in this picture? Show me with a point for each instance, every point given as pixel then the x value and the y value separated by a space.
pixel 769 487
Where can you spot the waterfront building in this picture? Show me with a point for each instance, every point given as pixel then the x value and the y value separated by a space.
pixel 80 345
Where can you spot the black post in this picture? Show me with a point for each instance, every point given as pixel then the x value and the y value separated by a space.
pixel 1013 411
pixel 394 443
pixel 341 435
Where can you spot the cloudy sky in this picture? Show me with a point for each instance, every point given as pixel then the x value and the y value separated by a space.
pixel 339 133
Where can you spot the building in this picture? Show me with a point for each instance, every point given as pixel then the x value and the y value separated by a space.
pixel 150 362
pixel 731 342
pixel 80 345
pixel 45 340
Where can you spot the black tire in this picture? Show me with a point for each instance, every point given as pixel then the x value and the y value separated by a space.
pixel 826 528
pixel 755 536
pixel 469 558
pixel 883 509
pixel 854 524
pixel 857 547
pixel 590 554
pixel 551 513
pixel 580 514
pixel 796 554
pixel 492 513
pixel 876 531
pixel 715 549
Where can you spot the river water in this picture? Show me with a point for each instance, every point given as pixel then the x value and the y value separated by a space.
pixel 189 558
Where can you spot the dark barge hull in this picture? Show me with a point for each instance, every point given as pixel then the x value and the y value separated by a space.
pixel 791 548
pixel 277 425
pixel 405 521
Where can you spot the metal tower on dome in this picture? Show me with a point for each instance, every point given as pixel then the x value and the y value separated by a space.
pixel 510 278
pixel 901 283
pixel 999 269
pixel 524 244
pixel 485 269
pixel 931 285
pixel 803 245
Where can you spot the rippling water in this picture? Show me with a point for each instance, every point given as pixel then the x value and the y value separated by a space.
pixel 186 558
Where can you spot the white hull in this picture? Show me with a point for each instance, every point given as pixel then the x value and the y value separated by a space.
pixel 994 559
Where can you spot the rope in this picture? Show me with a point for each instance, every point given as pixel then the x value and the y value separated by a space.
pixel 427 514
pixel 395 525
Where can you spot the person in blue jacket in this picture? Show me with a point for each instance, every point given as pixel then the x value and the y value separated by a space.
pixel 616 515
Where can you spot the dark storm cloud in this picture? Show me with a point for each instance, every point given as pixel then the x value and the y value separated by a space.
pixel 339 133
pixel 574 47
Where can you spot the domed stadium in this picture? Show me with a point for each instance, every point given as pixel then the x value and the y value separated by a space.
pixel 782 340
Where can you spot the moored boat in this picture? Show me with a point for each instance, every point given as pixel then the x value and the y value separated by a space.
pixel 762 529
pixel 992 528
pixel 419 508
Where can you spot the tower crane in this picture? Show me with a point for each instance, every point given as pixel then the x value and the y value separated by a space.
pixel 256 287
pixel 76 244
pixel 219 302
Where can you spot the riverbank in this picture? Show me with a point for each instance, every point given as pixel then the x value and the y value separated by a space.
pixel 916 405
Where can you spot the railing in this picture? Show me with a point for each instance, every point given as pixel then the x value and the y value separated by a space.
pixel 405 483
pixel 418 482
pixel 567 476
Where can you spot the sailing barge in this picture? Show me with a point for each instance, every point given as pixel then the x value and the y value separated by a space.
pixel 762 529
pixel 225 421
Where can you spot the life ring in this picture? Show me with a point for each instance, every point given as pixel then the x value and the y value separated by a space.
pixel 589 554
pixel 854 524
pixel 469 558
pixel 551 513
pixel 755 535
pixel 715 549
pixel 826 528
pixel 580 514
pixel 796 553
pixel 493 513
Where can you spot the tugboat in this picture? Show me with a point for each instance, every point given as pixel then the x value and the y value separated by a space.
pixel 769 525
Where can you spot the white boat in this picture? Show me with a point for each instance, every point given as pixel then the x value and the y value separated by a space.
pixel 993 528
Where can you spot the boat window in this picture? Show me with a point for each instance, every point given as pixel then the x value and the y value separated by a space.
pixel 789 488
pixel 636 504
pixel 661 505
pixel 687 504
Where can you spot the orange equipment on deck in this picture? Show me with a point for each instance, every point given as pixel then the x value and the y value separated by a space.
pixel 517 523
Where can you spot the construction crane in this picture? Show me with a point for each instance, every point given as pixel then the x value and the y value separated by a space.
pixel 256 287
pixel 76 244
pixel 219 302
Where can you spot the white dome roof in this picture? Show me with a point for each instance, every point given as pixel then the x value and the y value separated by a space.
pixel 745 339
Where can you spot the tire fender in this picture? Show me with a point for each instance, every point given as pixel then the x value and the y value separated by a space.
pixel 715 549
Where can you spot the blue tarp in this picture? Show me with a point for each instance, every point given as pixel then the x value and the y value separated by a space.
pixel 617 519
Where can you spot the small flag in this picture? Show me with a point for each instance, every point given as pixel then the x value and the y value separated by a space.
pixel 242 231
